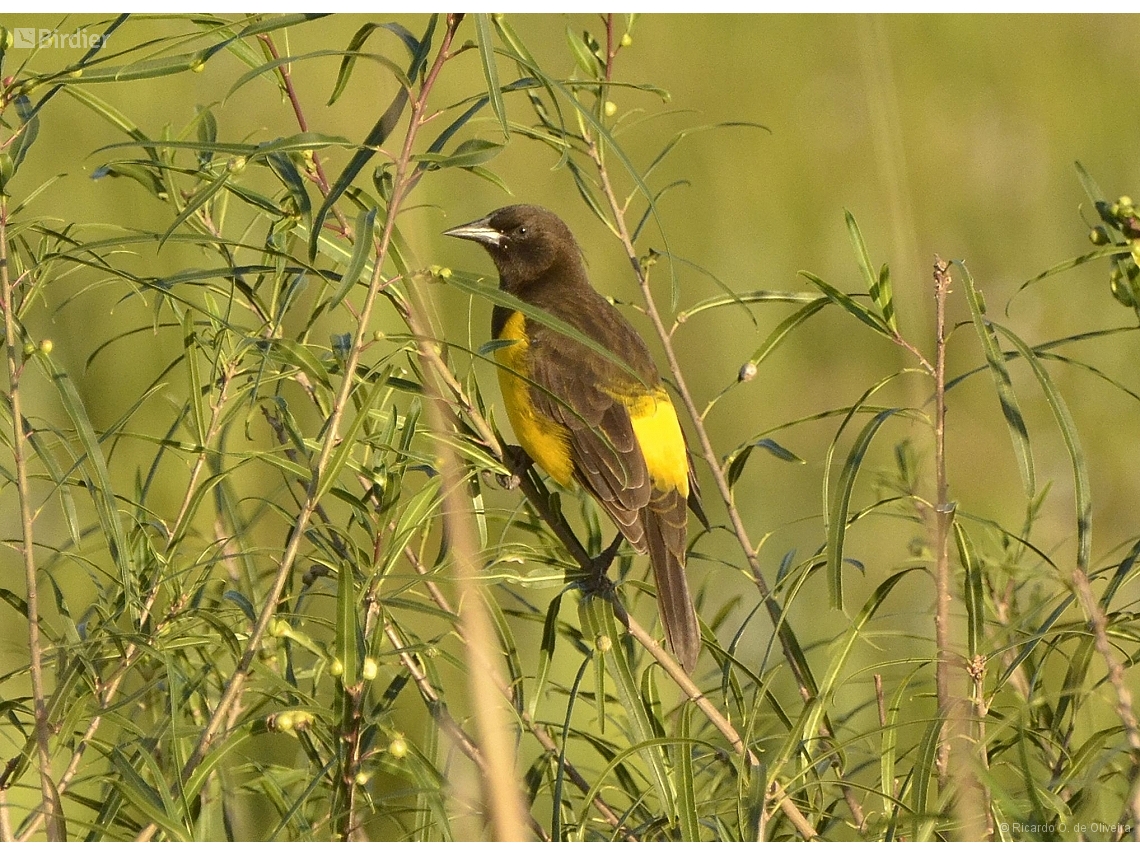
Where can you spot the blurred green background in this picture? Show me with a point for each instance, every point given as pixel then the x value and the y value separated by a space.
pixel 948 134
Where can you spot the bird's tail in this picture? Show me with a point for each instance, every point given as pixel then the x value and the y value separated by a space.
pixel 665 521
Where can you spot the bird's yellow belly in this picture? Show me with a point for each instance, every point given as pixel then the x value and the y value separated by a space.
pixel 662 444
pixel 545 441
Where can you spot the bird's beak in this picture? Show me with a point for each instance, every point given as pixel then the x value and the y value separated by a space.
pixel 479 231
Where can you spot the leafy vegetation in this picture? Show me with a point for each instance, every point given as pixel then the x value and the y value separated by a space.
pixel 298 589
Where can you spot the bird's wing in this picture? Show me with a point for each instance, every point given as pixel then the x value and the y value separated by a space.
pixel 570 389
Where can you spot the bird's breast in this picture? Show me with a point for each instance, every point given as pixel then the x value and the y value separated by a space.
pixel 544 440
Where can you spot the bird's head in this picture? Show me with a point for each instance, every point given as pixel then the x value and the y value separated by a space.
pixel 525 242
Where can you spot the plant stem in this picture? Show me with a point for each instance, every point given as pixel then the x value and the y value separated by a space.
pixel 49 800
pixel 943 518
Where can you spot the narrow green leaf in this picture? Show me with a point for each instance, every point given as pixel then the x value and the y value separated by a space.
pixel 490 70
pixel 360 254
pixel 195 203
pixel 884 297
pixel 840 503
pixel 763 296
pixel 816 710
pixel 1018 432
pixel 585 58
pixel 601 626
pixel 862 257
pixel 859 312
pixel 924 775
pixel 786 326
pixel 545 651
pixel 975 604
pixel 1081 486
pixel 349 441
pixel 348 650
pixel 355 45
pixel 99 484
pixel 888 748
pixel 27 133
pixel 686 785
pixel 1093 190
pixel 194 375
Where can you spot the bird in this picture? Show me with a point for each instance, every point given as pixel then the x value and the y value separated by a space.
pixel 605 422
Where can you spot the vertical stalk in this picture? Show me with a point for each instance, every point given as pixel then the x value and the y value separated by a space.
pixel 49 803
pixel 943 517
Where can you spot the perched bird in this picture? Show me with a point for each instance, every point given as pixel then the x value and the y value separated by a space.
pixel 607 423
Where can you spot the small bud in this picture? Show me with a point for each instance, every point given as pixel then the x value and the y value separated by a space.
pixel 237 165
pixel 283 723
pixel 1099 236
pixel 75 72
pixel 370 669
pixel 362 778
pixel 5 43
pixel 198 65
pixel 336 668
pixel 278 628
pixel 610 108
pixel 747 372
pixel 398 748
pixel 626 40
pixel 29 349
pixel 46 346
pixel 603 643
pixel 302 719
pixel 378 335
pixel 445 273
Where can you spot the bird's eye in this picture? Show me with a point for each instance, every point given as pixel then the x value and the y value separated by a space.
pixel 521 231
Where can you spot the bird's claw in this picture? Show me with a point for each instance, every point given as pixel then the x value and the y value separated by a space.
pixel 517 462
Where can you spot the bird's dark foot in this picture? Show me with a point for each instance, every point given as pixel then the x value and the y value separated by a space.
pixel 596 580
pixel 517 462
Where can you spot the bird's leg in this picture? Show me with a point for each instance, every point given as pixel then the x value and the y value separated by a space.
pixel 598 581
pixel 517 462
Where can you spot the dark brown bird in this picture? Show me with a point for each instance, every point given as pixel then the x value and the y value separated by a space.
pixel 587 418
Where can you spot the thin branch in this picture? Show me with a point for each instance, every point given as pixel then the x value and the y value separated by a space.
pixel 49 798
pixel 943 519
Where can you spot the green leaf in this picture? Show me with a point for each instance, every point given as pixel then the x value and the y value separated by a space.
pixel 845 302
pixel 27 132
pixel 763 296
pixel 1081 486
pixel 195 203
pixel 360 254
pixel 351 54
pixel 349 441
pixel 546 651
pixel 600 626
pixel 585 57
pixel 490 70
pixel 1018 432
pixel 786 326
pixel 925 774
pixel 740 457
pixel 840 504
pixel 348 650
pixel 862 257
pixel 975 603
pixel 100 485
pixel 686 785
pixel 467 154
